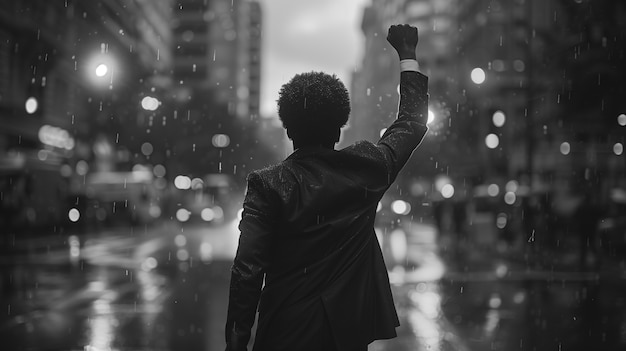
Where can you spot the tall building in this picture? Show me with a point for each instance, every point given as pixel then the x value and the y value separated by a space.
pixel 217 52
pixel 550 88
pixel 216 82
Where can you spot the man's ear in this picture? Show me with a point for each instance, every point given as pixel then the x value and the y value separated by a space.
pixel 337 135
pixel 288 134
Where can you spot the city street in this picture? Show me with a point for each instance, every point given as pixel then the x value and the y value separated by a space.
pixel 165 288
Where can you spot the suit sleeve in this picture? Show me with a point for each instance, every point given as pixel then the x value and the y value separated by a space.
pixel 405 134
pixel 248 270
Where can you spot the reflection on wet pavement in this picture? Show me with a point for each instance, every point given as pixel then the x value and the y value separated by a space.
pixel 166 288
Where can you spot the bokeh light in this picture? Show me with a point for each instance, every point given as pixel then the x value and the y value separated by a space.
pixel 478 76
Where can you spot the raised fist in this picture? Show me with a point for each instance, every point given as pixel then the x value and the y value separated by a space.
pixel 403 38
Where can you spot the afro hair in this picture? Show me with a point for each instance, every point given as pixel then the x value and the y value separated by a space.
pixel 313 106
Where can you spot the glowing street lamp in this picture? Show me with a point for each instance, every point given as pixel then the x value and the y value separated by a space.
pixel 101 70
pixel 101 67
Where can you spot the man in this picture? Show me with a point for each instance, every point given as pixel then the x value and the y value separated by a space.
pixel 308 254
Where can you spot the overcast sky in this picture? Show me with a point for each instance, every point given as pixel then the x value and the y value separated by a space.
pixel 304 35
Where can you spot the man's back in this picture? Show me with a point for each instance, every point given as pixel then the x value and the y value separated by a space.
pixel 324 254
pixel 307 237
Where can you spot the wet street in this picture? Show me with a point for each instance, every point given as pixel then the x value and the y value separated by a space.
pixel 165 287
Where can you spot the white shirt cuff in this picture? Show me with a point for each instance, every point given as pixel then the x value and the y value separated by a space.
pixel 409 65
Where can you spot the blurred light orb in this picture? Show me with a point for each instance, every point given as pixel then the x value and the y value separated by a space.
pixel 519 297
pixel 182 255
pixel 182 182
pixel 510 198
pixel 220 140
pixel 618 148
pixel 207 214
pixel 447 191
pixel 493 190
pixel 431 116
pixel 401 207
pixel 495 301
pixel 160 183
pixel 565 148
pixel 154 211
pixel 180 240
pixel 147 149
pixel 478 76
pixel 621 119
pixel 149 264
pixel 42 155
pixel 218 212
pixel 442 180
pixel 82 167
pixel 182 215
pixel 498 65
pixel 31 105
pixel 101 70
pixel 512 186
pixel 498 118
pixel 159 171
pixel 150 103
pixel 66 170
pixel 502 270
pixel 519 65
pixel 74 215
pixel 501 220
pixel 197 184
pixel 492 141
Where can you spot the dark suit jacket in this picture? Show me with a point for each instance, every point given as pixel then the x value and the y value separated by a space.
pixel 308 254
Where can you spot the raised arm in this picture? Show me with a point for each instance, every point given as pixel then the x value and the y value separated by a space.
pixel 404 135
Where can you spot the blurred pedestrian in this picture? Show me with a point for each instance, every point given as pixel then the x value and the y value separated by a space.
pixel 308 255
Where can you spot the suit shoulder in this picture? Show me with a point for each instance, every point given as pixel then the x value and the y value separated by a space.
pixel 271 177
pixel 364 149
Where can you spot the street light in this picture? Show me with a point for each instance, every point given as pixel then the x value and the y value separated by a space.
pixel 101 66
pixel 102 70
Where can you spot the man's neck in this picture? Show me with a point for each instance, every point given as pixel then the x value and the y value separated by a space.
pixel 330 146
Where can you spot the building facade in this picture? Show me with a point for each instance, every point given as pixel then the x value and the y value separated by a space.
pixel 63 88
